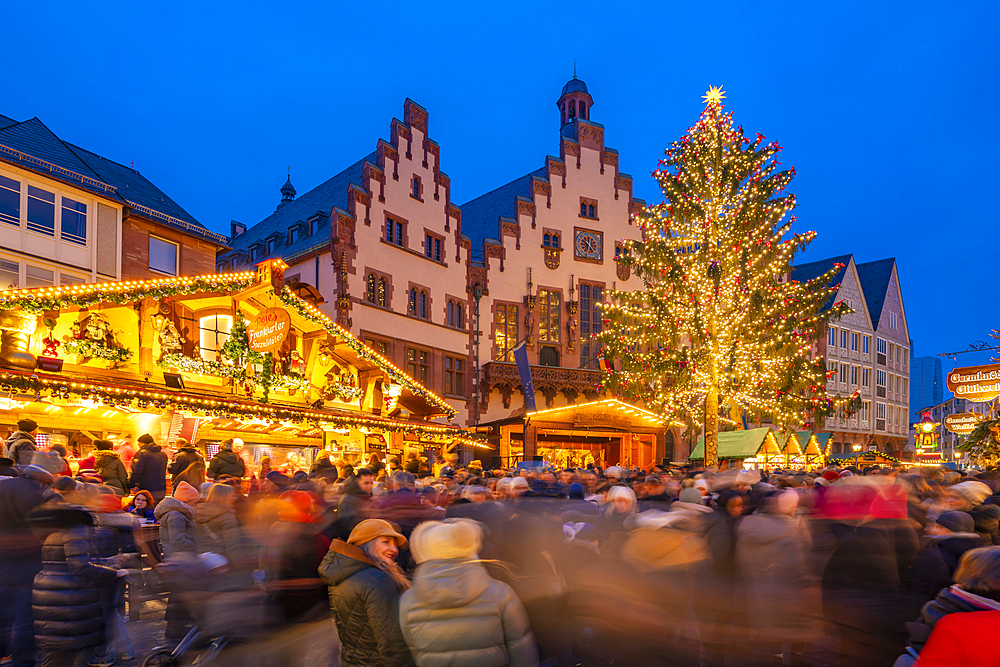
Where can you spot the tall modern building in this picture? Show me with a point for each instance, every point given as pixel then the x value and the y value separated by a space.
pixel 927 383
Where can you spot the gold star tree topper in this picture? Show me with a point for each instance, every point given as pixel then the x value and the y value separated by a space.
pixel 715 95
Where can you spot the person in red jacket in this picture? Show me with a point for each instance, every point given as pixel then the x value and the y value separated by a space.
pixel 963 640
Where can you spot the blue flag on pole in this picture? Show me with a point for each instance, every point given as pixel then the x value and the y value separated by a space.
pixel 524 370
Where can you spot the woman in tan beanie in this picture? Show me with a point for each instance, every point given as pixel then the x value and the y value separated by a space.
pixel 365 583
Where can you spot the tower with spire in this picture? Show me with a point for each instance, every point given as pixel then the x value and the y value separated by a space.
pixel 287 191
pixel 575 101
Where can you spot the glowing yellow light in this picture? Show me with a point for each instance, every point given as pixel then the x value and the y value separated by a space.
pixel 715 95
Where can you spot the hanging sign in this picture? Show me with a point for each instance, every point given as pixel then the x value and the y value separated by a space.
pixel 962 423
pixel 268 330
pixel 975 383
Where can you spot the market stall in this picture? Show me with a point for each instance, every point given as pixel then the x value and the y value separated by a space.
pixel 206 358
pixel 603 433
pixel 753 448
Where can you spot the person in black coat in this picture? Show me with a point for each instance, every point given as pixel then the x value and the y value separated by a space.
pixel 149 469
pixel 71 595
pixel 227 462
pixel 185 456
pixel 954 533
pixel 20 560
pixel 365 585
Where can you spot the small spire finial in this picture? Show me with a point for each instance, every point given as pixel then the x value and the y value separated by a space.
pixel 574 69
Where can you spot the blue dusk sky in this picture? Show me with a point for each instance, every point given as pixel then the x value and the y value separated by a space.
pixel 887 109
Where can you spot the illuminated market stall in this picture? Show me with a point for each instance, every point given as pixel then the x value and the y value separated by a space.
pixel 604 433
pixel 753 448
pixel 236 355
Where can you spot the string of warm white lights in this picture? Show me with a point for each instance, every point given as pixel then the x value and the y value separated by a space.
pixel 718 318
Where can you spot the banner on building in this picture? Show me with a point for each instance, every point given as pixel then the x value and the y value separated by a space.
pixel 524 370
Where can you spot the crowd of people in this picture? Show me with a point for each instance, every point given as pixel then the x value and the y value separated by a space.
pixel 416 563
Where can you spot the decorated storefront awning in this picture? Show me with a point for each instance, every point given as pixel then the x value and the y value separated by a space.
pixel 239 348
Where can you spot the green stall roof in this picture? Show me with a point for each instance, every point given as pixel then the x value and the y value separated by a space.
pixel 734 444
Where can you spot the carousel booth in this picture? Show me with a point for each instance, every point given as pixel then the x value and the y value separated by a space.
pixel 210 358
pixel 603 433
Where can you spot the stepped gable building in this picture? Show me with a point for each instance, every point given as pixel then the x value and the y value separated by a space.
pixel 851 349
pixel 388 254
pixel 70 216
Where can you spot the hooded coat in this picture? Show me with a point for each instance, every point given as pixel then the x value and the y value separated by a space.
pixel 176 521
pixel 951 600
pixel 456 615
pixel 69 594
pixel 365 604
pixel 226 462
pixel 110 467
pixel 772 551
pixel 21 447
pixel 149 471
pixel 184 457
pixel 217 530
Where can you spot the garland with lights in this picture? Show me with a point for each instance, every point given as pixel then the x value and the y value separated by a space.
pixel 187 364
pixel 716 321
pixel 41 387
pixel 300 306
pixel 344 391
pixel 57 298
pixel 94 350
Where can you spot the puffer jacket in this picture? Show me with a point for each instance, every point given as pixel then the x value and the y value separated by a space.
pixel 176 520
pixel 149 471
pixel 216 529
pixel 365 604
pixel 70 595
pixel 109 466
pixel 226 462
pixel 456 615
pixel 184 457
pixel 21 447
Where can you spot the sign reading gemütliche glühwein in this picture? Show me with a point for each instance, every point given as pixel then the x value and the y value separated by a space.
pixel 962 423
pixel 268 330
pixel 975 383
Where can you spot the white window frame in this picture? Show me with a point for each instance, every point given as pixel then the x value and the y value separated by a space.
pixel 831 339
pixel 177 255
pixel 880 345
pixel 880 411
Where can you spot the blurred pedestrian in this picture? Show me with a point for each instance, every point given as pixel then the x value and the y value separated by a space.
pixel 455 613
pixel 109 465
pixel 21 443
pixel 149 468
pixel 186 456
pixel 226 462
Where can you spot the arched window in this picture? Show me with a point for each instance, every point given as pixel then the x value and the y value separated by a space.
pixel 381 292
pixel 370 288
pixel 583 210
pixel 413 301
pixel 572 110
pixel 590 211
pixel 555 240
pixel 423 305
pixel 547 241
pixel 583 110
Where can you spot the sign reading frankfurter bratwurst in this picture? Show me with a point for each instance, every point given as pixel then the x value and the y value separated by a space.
pixel 962 423
pixel 975 383
pixel 268 330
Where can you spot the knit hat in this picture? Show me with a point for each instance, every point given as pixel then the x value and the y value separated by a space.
pixel 957 522
pixel 451 538
pixel 37 473
pixel 575 491
pixel 369 529
pixel 614 471
pixel 64 484
pixel 786 502
pixel 26 425
pixel 146 439
pixel 831 475
pixel 625 493
pixel 688 495
pixel 890 503
pixel 298 508
pixel 703 485
pixel 51 461
pixel 186 493
pixel 519 482
pixel 972 492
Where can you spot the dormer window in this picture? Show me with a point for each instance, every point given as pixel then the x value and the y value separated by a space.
pixel 293 235
pixel 254 253
pixel 588 208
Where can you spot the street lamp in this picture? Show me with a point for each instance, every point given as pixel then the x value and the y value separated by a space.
pixel 477 294
pixel 856 448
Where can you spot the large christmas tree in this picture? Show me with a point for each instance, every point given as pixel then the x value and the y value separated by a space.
pixel 719 324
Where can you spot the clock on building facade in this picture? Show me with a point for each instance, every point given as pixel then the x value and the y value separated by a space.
pixel 589 245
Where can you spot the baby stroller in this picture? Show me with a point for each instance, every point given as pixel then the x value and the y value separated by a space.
pixel 223 607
